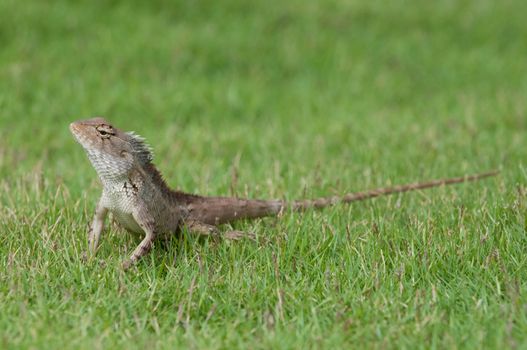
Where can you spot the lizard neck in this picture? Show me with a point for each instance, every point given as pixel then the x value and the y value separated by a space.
pixel 139 175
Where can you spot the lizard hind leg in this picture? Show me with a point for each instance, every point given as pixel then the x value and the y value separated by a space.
pixel 202 229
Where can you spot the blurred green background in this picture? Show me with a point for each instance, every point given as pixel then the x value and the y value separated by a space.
pixel 297 99
pixel 349 82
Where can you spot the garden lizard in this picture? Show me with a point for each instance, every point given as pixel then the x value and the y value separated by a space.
pixel 141 201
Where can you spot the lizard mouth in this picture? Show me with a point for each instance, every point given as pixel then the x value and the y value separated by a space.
pixel 73 127
pixel 76 131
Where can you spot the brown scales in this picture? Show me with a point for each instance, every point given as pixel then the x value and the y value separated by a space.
pixel 122 160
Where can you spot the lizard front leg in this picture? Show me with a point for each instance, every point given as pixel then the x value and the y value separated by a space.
pixel 97 226
pixel 147 223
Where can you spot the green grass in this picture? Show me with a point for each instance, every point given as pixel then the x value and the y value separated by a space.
pixel 299 99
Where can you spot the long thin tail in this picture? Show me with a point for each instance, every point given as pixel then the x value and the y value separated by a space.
pixel 359 196
pixel 219 210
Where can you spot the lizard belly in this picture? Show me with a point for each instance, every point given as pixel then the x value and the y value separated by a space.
pixel 127 221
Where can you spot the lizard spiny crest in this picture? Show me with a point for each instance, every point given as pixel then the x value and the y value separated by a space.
pixel 142 150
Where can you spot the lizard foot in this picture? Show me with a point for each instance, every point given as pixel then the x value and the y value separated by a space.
pixel 127 264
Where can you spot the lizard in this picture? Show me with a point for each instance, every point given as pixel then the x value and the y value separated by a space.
pixel 140 200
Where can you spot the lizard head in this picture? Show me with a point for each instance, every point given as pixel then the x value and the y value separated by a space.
pixel 112 152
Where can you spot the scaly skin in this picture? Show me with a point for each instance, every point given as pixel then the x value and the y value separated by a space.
pixel 140 200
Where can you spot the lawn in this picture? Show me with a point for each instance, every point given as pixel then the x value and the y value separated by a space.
pixel 270 99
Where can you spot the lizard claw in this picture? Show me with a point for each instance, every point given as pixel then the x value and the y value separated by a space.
pixel 87 257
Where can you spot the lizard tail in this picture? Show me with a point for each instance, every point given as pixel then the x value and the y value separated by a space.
pixel 219 210
pixel 359 196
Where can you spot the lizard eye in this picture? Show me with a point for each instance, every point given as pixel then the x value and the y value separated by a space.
pixel 105 130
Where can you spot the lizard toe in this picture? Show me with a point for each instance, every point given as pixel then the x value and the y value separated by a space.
pixel 127 264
